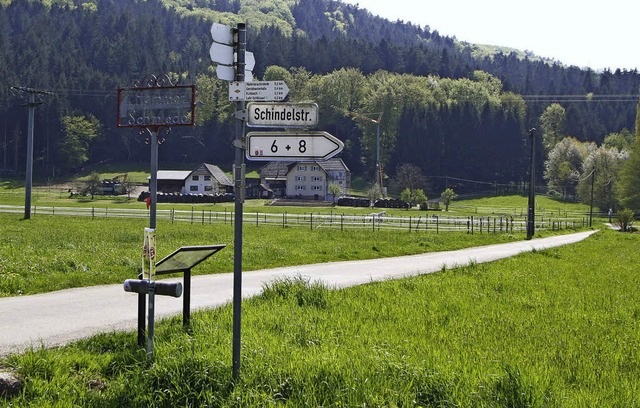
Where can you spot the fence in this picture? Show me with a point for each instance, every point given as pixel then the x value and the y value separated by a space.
pixel 374 221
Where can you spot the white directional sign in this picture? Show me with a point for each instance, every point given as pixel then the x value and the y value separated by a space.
pixel 222 52
pixel 287 115
pixel 258 91
pixel 222 34
pixel 286 146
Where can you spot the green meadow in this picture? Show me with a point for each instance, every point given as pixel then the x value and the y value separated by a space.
pixel 49 253
pixel 555 328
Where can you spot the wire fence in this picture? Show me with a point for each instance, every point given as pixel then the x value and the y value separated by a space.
pixel 554 221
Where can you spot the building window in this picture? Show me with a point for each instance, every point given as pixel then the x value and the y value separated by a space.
pixel 208 188
pixel 315 168
pixel 316 178
pixel 195 178
pixel 302 168
pixel 301 178
pixel 193 188
pixel 301 188
pixel 207 178
pixel 316 188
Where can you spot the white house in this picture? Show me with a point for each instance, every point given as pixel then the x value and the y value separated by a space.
pixel 306 180
pixel 206 179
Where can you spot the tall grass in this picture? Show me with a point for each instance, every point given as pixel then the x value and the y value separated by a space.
pixel 49 253
pixel 556 328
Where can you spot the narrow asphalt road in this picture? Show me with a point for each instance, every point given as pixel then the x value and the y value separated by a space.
pixel 60 317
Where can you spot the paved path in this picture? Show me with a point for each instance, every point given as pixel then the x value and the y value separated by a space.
pixel 57 318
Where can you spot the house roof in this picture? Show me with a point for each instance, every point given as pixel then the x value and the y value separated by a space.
pixel 177 175
pixel 333 165
pixel 275 170
pixel 216 173
pixel 278 170
pixel 219 175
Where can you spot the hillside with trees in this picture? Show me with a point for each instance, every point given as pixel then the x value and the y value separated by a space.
pixel 452 111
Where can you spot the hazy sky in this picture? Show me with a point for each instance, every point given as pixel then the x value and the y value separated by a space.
pixel 586 33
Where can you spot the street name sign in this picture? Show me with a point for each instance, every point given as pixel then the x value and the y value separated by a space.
pixel 292 146
pixel 258 91
pixel 286 115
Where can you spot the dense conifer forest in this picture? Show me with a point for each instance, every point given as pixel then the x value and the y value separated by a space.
pixel 451 109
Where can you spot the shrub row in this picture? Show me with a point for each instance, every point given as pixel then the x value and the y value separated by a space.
pixel 189 198
pixel 390 203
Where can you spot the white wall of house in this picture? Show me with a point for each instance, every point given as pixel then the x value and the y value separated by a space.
pixel 307 180
pixel 201 183
pixel 339 178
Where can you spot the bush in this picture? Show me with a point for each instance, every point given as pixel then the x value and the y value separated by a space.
pixel 625 219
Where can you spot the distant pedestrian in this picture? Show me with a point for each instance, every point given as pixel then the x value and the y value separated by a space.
pixel 148 201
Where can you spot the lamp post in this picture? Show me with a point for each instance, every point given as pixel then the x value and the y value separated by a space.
pixel 532 187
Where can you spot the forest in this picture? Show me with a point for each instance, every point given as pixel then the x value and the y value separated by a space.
pixel 460 113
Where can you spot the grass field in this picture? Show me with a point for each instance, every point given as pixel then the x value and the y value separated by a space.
pixel 555 328
pixel 49 253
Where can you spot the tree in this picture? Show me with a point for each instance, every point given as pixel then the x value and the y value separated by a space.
pixel 405 196
pixel 625 219
pixel 93 184
pixel 553 121
pixel 628 188
pixel 446 197
pixel 638 122
pixel 601 170
pixel 374 193
pixel 335 190
pixel 563 167
pixel 408 176
pixel 413 197
pixel 620 140
pixel 79 132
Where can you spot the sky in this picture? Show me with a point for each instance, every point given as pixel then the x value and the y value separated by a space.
pixel 585 33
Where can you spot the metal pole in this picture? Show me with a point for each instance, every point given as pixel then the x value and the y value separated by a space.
pixel 29 177
pixel 378 173
pixel 593 178
pixel 152 302
pixel 186 301
pixel 153 182
pixel 239 195
pixel 532 187
pixel 153 191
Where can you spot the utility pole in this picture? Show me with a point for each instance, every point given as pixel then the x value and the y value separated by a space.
pixel 532 186
pixel 31 104
pixel 593 179
pixel 378 176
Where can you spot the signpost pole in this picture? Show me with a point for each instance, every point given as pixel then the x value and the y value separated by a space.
pixel 153 191
pixel 152 303
pixel 239 195
pixel 137 108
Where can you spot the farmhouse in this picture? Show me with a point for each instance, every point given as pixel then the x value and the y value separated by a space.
pixel 205 179
pixel 306 180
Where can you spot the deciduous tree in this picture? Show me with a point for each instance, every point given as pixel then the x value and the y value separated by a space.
pixel 79 132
